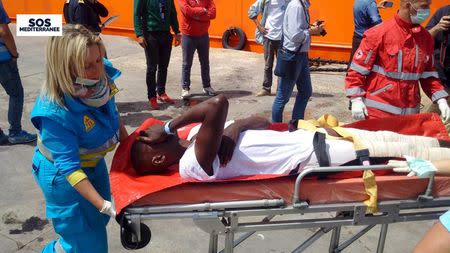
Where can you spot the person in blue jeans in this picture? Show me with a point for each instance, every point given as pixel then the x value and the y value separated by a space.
pixel 365 16
pixel 10 81
pixel 292 62
pixel 78 124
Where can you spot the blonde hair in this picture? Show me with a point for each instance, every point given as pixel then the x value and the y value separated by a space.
pixel 66 57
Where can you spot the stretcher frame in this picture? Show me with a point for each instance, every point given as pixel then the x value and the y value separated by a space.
pixel 224 218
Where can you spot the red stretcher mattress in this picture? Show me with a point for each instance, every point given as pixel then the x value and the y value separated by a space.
pixel 130 189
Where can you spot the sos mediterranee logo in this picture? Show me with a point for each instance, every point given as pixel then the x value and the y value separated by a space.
pixel 39 25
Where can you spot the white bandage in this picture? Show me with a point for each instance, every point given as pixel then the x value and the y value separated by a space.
pixel 390 144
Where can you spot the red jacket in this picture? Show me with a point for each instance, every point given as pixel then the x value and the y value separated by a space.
pixel 196 16
pixel 388 65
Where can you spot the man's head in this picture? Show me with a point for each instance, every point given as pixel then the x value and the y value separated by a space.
pixel 157 157
pixel 415 11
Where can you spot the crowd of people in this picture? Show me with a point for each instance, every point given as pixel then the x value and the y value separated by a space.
pixel 78 123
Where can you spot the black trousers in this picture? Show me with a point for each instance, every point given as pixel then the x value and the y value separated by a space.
pixel 356 41
pixel 157 54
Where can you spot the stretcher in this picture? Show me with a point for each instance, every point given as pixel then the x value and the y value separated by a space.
pixel 228 207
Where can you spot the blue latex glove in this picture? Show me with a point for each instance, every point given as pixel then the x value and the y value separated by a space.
pixel 414 167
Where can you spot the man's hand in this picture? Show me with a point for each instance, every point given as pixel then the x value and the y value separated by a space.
pixel 108 209
pixel 141 41
pixel 413 166
pixel 316 30
pixel 381 4
pixel 177 39
pixel 154 135
pixel 443 25
pixel 445 110
pixel 229 139
pixel 262 29
pixel 359 109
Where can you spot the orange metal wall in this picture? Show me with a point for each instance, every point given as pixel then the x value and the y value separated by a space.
pixel 337 14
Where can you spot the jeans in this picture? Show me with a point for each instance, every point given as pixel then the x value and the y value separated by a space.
pixel 10 80
pixel 157 54
pixel 270 51
pixel 286 86
pixel 188 45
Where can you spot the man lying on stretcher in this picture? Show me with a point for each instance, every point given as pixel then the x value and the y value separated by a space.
pixel 244 147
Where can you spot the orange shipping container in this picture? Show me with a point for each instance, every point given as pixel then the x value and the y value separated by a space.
pixel 338 16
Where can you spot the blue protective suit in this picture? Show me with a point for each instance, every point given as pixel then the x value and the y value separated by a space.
pixel 71 138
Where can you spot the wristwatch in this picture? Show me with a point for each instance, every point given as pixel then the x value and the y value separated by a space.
pixel 167 128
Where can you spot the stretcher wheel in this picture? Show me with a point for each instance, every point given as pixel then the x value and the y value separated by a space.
pixel 126 237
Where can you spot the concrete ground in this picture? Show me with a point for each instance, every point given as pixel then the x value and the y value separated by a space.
pixel 23 227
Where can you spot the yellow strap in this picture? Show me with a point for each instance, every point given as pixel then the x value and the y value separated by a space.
pixel 370 185
pixel 76 177
pixel 330 121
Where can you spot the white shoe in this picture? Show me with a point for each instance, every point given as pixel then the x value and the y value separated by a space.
pixel 209 91
pixel 185 93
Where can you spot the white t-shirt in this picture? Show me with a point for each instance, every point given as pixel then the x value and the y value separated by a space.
pixel 274 21
pixel 266 152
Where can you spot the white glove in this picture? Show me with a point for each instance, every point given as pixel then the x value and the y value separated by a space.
pixel 445 110
pixel 108 208
pixel 359 109
pixel 413 166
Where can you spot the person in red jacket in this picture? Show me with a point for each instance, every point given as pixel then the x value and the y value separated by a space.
pixel 195 20
pixel 383 78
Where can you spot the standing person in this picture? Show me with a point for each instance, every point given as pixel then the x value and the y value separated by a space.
pixel 268 33
pixel 365 16
pixel 78 123
pixel 383 78
pixel 10 81
pixel 292 62
pixel 439 28
pixel 85 12
pixel 195 19
pixel 152 22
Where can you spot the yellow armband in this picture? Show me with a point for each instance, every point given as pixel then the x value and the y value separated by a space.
pixel 76 177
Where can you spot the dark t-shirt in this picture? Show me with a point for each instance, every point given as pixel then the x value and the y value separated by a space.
pixel 444 71
pixel 85 13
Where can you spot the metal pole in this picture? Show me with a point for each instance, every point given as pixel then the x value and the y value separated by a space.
pixel 353 238
pixel 213 237
pixel 382 239
pixel 334 241
pixel 229 241
pixel 311 240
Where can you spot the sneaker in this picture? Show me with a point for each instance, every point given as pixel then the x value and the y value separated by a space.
pixel 3 140
pixel 209 91
pixel 21 138
pixel 166 99
pixel 153 103
pixel 263 92
pixel 185 93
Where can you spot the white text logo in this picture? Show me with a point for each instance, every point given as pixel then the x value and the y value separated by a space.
pixel 39 25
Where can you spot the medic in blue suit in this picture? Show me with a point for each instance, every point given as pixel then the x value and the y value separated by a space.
pixel 78 123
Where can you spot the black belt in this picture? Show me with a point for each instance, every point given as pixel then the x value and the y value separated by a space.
pixel 320 149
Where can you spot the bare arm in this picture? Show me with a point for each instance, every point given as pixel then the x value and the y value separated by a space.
pixel 212 113
pixel 443 25
pixel 85 188
pixel 9 40
pixel 231 135
pixel 443 167
pixel 436 240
